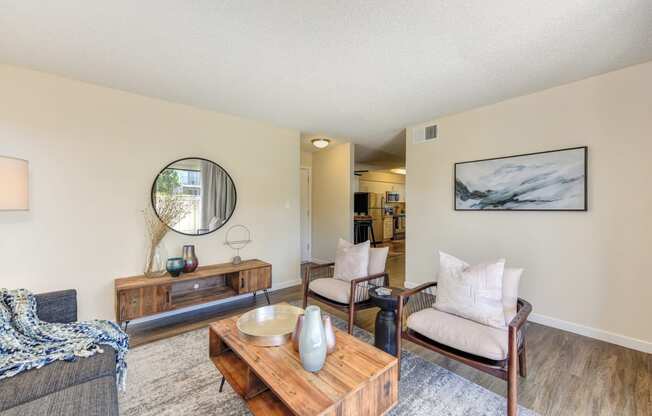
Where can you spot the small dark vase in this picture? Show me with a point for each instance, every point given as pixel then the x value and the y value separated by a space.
pixel 175 266
pixel 191 259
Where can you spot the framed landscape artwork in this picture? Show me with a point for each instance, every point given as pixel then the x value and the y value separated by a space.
pixel 546 181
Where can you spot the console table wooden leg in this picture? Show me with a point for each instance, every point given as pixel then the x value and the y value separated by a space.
pixel 126 324
pixel 267 296
pixel 222 384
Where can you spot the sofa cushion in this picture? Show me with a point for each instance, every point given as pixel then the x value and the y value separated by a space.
pixel 460 333
pixel 472 292
pixel 59 375
pixel 337 290
pixel 58 306
pixel 351 260
pixel 97 397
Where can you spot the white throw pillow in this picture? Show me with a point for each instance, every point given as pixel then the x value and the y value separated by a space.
pixel 377 257
pixel 472 292
pixel 377 260
pixel 511 280
pixel 351 261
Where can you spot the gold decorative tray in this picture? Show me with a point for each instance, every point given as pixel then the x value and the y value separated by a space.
pixel 268 326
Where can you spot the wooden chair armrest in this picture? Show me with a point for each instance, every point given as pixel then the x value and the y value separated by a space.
pixel 308 275
pixel 366 279
pixel 357 295
pixel 524 309
pixel 410 292
pixel 421 302
pixel 319 266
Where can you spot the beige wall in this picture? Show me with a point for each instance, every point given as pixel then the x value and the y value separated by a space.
pixel 306 159
pixel 585 272
pixel 93 155
pixel 332 199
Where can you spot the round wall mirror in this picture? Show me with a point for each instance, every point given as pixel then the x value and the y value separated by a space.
pixel 194 196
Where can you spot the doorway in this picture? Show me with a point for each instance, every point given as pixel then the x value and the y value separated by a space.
pixel 306 213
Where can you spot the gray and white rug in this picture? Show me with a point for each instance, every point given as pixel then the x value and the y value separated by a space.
pixel 175 377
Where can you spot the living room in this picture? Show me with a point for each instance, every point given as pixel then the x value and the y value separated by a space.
pixel 152 208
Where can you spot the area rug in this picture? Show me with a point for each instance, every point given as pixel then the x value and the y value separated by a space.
pixel 175 377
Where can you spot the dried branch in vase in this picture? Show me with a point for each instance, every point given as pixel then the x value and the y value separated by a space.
pixel 170 209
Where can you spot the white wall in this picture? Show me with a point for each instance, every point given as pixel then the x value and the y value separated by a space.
pixel 586 272
pixel 332 199
pixel 93 155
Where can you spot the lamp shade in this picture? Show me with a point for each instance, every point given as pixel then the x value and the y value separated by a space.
pixel 13 184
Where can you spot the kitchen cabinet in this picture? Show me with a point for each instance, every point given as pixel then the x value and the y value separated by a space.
pixel 388 228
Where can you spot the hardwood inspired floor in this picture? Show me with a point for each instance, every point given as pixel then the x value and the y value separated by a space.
pixel 568 374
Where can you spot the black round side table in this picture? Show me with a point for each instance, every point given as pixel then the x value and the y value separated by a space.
pixel 385 336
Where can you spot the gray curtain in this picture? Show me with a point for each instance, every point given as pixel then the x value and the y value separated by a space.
pixel 217 196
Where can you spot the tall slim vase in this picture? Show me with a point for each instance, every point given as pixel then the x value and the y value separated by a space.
pixel 155 261
pixel 312 341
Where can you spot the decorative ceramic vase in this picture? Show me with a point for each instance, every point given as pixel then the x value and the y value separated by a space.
pixel 175 266
pixel 297 332
pixel 155 261
pixel 312 340
pixel 329 333
pixel 191 259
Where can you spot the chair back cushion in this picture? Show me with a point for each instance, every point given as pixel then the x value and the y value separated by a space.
pixel 472 292
pixel 351 260
pixel 511 280
pixel 377 260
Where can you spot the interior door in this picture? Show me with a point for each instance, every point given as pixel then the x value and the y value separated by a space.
pixel 305 215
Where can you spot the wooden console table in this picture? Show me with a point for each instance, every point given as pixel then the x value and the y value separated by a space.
pixel 357 378
pixel 140 296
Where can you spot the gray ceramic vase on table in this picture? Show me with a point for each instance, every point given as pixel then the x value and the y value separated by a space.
pixel 312 340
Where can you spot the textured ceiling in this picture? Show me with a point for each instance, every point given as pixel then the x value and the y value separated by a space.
pixel 355 69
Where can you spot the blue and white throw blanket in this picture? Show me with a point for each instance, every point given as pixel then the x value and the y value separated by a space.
pixel 26 342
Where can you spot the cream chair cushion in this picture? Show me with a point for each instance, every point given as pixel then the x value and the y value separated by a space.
pixel 336 290
pixel 472 292
pixel 351 260
pixel 460 333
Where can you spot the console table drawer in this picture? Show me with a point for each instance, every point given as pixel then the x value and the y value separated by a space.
pixel 134 303
pixel 253 280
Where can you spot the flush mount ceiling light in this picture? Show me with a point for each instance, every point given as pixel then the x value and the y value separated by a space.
pixel 400 171
pixel 320 143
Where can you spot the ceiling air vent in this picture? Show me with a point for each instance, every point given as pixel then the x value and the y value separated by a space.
pixel 424 133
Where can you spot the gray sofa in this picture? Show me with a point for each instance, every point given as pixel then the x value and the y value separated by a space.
pixel 86 386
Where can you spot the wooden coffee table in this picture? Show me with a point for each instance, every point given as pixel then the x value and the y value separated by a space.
pixel 357 379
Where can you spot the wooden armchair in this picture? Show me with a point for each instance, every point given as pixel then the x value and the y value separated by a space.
pixel 347 296
pixel 421 299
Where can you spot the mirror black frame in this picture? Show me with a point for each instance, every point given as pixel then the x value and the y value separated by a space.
pixel 152 192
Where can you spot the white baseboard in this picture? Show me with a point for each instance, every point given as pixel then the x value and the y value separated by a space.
pixel 587 331
pixel 320 261
pixel 275 287
pixel 595 333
